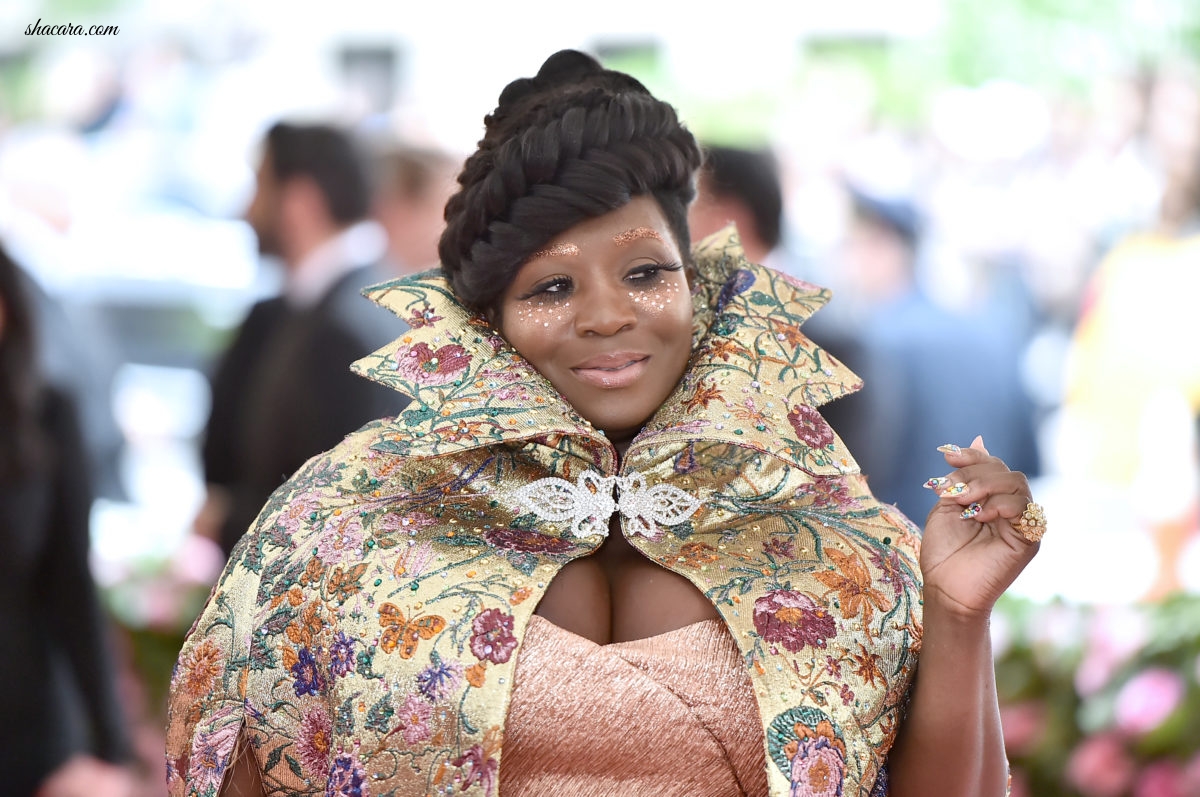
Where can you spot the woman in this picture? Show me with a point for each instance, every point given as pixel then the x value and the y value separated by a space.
pixel 611 536
pixel 51 621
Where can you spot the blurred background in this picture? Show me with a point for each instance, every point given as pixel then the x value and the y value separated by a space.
pixel 1040 157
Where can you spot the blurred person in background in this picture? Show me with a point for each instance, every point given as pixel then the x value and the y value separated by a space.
pixel 1133 371
pixel 931 374
pixel 63 732
pixel 283 390
pixel 414 184
pixel 744 187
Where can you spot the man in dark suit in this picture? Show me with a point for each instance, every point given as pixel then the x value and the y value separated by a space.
pixel 283 391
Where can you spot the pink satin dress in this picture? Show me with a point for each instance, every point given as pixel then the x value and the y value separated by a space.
pixel 673 714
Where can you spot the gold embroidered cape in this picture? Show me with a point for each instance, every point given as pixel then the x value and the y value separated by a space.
pixel 365 631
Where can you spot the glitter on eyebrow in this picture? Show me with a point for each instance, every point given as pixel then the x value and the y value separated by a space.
pixel 558 250
pixel 629 236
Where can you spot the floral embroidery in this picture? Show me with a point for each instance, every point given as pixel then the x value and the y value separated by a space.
pixel 492 638
pixel 313 742
pixel 422 317
pixel 807 746
pixel 414 719
pixel 199 669
pixel 422 364
pixel 852 582
pixel 308 677
pixel 212 750
pixel 341 656
pixel 346 777
pixel 476 766
pixel 440 679
pixel 810 426
pixel 368 630
pixel 792 619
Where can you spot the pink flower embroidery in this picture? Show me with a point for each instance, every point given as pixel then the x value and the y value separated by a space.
pixel 414 719
pixel 341 539
pixel 492 637
pixel 316 733
pixel 818 768
pixel 792 619
pixel 477 768
pixel 422 317
pixel 428 367
pixel 810 426
pixel 212 750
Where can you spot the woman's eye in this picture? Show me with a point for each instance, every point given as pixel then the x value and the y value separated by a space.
pixel 652 273
pixel 555 288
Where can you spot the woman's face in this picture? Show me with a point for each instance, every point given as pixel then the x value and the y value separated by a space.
pixel 604 312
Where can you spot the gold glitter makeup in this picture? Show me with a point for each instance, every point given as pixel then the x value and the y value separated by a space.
pixel 558 250
pixel 636 234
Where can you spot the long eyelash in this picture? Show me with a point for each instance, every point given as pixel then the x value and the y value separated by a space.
pixel 656 268
pixel 543 290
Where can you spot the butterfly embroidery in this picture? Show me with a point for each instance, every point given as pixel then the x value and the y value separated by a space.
pixel 406 632
pixel 588 504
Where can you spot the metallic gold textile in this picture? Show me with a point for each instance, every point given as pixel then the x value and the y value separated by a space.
pixel 365 632
pixel 590 720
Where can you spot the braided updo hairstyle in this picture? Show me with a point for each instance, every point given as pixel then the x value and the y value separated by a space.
pixel 572 143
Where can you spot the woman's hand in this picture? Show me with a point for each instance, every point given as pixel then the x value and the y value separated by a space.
pixel 971 551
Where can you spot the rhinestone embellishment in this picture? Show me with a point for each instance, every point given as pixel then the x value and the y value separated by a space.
pixel 589 503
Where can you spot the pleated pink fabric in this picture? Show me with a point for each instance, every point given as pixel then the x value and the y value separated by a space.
pixel 673 714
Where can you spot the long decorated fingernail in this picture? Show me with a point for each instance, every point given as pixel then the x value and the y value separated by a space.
pixel 937 482
pixel 971 511
pixel 954 489
pixel 949 448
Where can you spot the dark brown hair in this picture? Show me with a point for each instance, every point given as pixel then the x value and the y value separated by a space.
pixel 572 143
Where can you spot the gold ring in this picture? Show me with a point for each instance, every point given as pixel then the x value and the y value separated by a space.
pixel 1032 523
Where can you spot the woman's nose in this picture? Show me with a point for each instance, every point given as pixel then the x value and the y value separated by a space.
pixel 605 311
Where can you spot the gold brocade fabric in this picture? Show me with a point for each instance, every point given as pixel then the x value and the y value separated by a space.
pixel 365 632
pixel 589 720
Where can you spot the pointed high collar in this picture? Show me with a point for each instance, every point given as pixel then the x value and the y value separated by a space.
pixel 754 379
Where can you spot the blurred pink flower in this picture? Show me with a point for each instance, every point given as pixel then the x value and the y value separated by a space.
pixel 1147 699
pixel 1100 767
pixel 1115 634
pixel 1023 725
pixel 1160 779
pixel 1191 777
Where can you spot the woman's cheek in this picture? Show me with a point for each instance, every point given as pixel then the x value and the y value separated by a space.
pixel 540 315
pixel 662 299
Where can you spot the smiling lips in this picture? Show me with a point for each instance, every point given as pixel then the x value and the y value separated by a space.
pixel 611 371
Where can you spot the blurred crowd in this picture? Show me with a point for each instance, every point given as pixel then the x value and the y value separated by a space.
pixel 1019 264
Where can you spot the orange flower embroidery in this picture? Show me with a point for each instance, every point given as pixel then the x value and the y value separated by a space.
pixel 520 595
pixel 867 666
pixel 695 554
pixel 476 674
pixel 853 585
pixel 200 670
pixel 705 393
